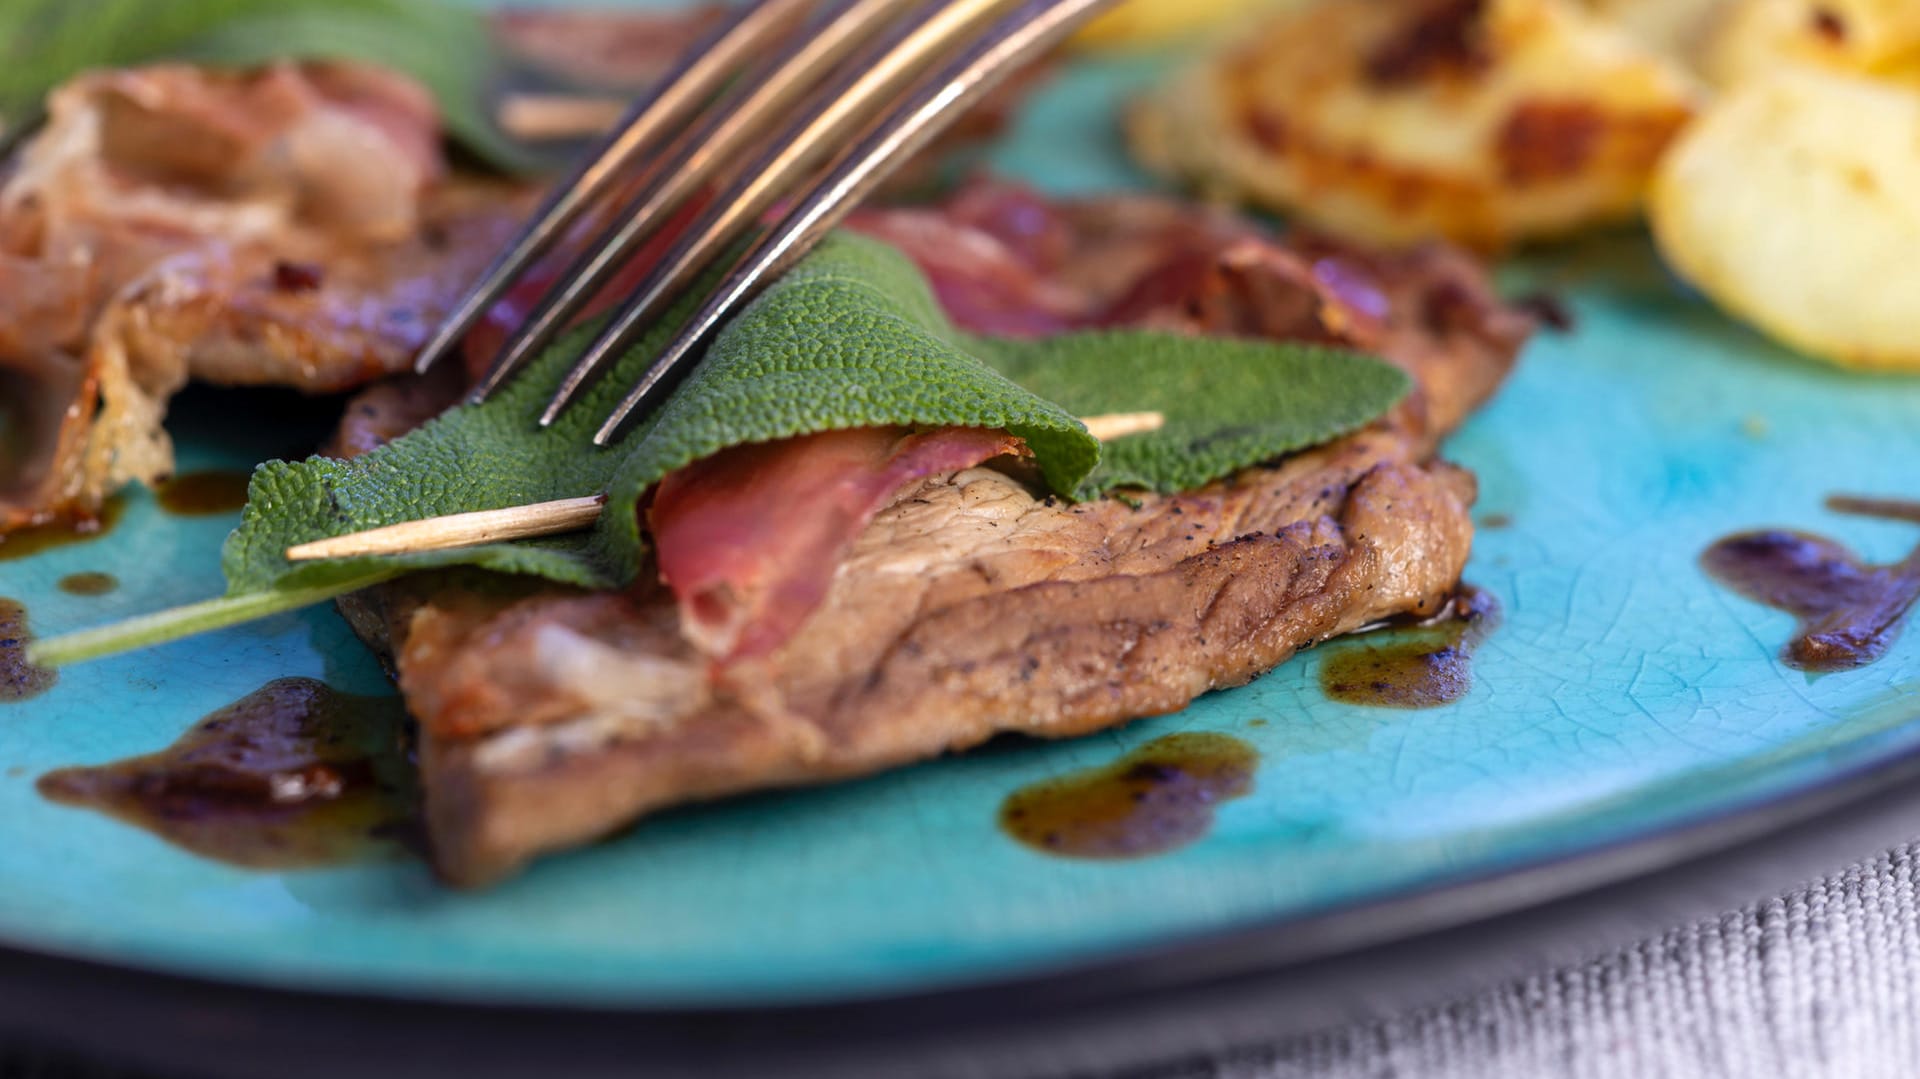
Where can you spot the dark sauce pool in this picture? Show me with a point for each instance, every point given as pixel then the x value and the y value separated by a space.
pixel 1850 611
pixel 19 679
pixel 31 541
pixel 1158 798
pixel 201 494
pixel 1420 666
pixel 294 774
pixel 89 583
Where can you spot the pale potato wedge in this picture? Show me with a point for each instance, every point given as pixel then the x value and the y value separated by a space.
pixel 1794 202
pixel 1483 121
pixel 1756 37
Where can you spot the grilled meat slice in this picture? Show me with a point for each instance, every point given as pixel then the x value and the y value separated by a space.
pixel 967 609
pixel 970 606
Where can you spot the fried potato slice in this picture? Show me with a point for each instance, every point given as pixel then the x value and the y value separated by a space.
pixel 1794 203
pixel 1483 121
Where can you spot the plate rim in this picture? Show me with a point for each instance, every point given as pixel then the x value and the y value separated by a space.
pixel 61 995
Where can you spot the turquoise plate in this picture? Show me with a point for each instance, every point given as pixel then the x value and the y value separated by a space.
pixel 1625 695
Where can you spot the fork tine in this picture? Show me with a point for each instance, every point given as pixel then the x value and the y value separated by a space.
pixel 742 115
pixel 939 100
pixel 837 115
pixel 704 69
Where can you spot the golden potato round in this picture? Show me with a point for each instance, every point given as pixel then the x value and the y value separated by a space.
pixel 1794 202
pixel 1395 120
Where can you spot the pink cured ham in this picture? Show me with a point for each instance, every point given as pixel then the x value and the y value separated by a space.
pixel 748 539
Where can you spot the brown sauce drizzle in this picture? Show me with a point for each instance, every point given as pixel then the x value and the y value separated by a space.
pixel 1850 611
pixel 19 679
pixel 89 583
pixel 1158 798
pixel 294 774
pixel 26 542
pixel 1420 666
pixel 201 494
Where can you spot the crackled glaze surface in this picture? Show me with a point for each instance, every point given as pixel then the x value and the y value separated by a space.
pixel 1624 692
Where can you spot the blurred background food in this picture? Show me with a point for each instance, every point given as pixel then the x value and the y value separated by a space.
pixel 1775 144
pixel 1794 200
pixel 1795 204
pixel 1390 121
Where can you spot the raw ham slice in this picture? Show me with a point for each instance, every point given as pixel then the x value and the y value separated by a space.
pixel 749 539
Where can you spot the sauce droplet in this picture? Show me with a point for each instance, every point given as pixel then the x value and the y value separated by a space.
pixel 293 774
pixel 90 583
pixel 1850 611
pixel 1420 666
pixel 19 679
pixel 25 542
pixel 201 494
pixel 1158 798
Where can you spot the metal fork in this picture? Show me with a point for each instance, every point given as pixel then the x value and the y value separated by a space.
pixel 875 80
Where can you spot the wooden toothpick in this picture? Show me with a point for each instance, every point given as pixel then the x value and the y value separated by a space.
pixel 1111 425
pixel 547 117
pixel 566 514
pixel 458 530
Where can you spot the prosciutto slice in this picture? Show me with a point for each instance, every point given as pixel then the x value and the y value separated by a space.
pixel 749 539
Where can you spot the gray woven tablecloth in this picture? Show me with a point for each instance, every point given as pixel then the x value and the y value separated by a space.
pixel 1819 982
